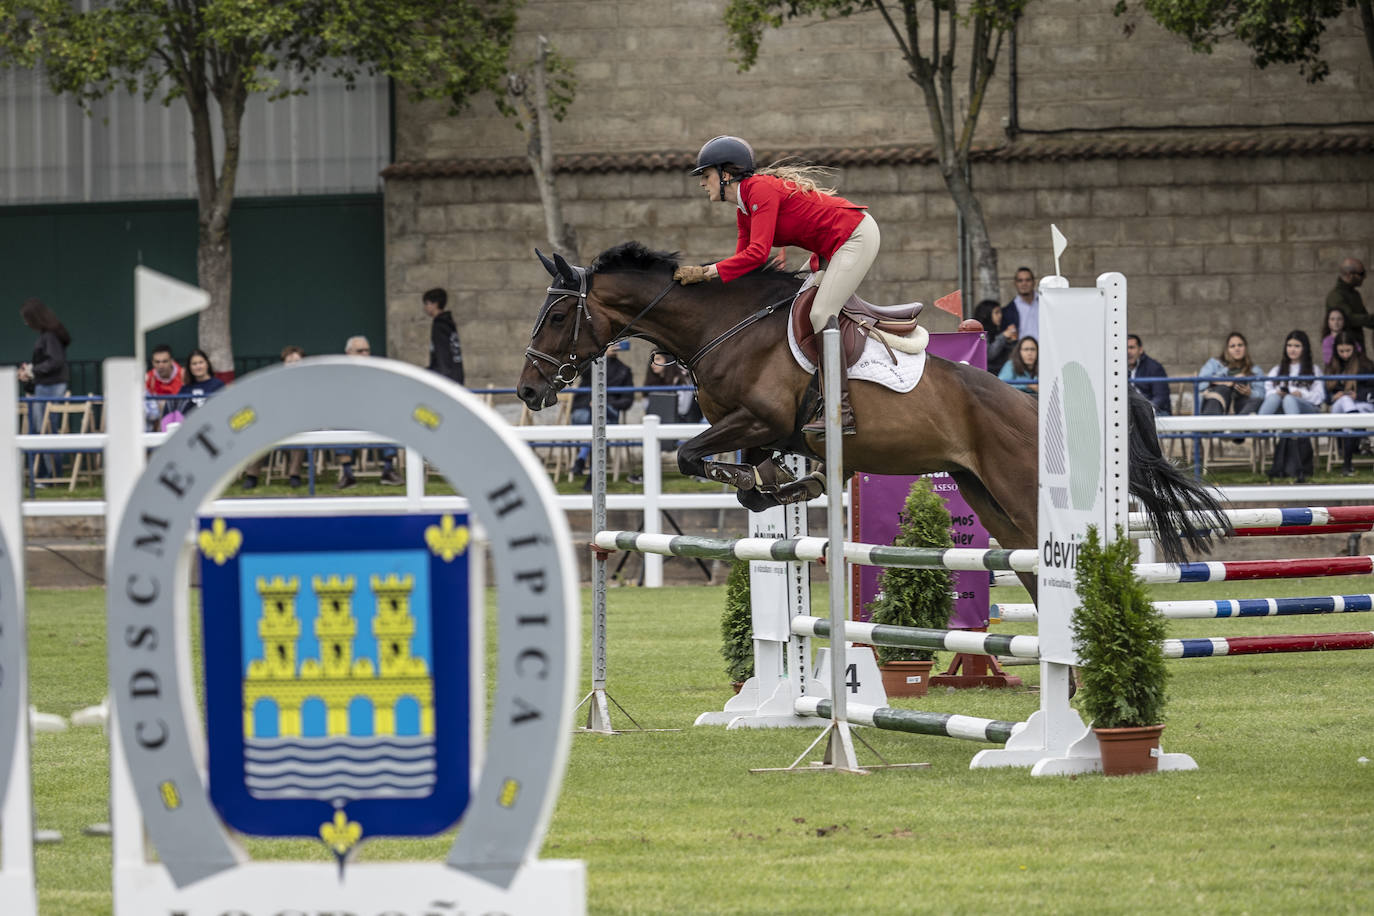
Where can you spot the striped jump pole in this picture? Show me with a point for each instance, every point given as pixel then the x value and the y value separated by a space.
pixel 1309 520
pixel 1162 573
pixel 946 725
pixel 1232 607
pixel 814 549
pixel 1264 645
pixel 968 641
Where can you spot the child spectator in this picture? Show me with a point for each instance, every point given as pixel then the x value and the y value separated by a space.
pixel 1334 324
pixel 1024 365
pixel 1347 394
pixel 1293 456
pixel 202 382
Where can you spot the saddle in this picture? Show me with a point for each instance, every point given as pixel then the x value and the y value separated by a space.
pixel 858 321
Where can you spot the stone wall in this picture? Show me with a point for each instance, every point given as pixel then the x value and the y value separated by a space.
pixel 1215 227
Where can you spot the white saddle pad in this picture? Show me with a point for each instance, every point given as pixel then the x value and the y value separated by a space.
pixel 875 365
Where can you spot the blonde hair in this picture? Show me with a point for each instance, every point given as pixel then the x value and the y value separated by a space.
pixel 800 176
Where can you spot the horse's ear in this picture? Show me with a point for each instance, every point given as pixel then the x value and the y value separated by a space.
pixel 564 268
pixel 548 265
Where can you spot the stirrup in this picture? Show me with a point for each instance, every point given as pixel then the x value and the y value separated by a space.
pixel 817 426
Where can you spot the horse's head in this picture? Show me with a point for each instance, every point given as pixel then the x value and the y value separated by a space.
pixel 563 341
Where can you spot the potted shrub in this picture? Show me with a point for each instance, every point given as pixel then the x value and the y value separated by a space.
pixel 1119 636
pixel 737 626
pixel 914 597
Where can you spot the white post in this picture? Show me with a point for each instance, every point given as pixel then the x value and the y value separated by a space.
pixel 16 825
pixel 124 461
pixel 653 486
pixel 415 479
pixel 840 753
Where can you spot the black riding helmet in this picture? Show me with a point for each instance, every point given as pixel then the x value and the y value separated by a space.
pixel 726 152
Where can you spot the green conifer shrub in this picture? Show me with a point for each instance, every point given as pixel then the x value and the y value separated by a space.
pixel 737 625
pixel 1119 635
pixel 916 597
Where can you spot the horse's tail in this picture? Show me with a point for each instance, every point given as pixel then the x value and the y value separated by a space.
pixel 1181 510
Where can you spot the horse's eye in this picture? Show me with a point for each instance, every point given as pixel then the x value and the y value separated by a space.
pixel 557 318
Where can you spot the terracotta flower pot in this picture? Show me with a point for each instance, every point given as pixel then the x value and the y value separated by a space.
pixel 737 685
pixel 1126 751
pixel 906 679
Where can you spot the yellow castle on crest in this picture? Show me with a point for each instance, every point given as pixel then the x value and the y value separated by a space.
pixel 335 678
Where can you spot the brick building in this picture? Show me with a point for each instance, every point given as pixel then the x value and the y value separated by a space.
pixel 1226 194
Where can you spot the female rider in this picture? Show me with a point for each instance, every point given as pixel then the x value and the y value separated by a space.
pixel 779 206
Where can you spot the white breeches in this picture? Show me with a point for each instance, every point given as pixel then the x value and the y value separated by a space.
pixel 845 272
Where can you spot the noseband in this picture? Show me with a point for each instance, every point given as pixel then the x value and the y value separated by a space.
pixel 567 371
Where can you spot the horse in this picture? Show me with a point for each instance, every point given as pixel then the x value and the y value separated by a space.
pixel 733 337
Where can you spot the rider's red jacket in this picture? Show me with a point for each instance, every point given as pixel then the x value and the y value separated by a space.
pixel 772 214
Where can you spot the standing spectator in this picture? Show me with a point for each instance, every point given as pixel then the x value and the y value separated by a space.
pixel 164 378
pixel 989 314
pixel 201 383
pixel 1022 313
pixel 358 345
pixel 1143 369
pixel 1227 397
pixel 1293 456
pixel 295 456
pixel 445 352
pixel 1024 365
pixel 618 375
pixel 1347 394
pixel 47 376
pixel 1345 295
pixel 1331 326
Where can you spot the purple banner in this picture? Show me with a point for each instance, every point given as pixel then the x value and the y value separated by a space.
pixel 876 500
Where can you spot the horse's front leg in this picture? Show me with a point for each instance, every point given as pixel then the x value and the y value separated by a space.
pixel 739 429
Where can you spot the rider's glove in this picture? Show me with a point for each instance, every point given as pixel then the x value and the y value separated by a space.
pixel 690 273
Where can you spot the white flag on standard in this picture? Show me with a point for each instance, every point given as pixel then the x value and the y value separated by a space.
pixel 160 299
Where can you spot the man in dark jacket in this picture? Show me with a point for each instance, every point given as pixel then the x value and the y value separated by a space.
pixel 445 352
pixel 1345 295
pixel 1144 372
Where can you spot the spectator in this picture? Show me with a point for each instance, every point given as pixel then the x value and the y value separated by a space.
pixel 1143 370
pixel 295 456
pixel 1022 313
pixel 1345 295
pixel 164 378
pixel 445 352
pixel 1024 365
pixel 202 382
pixel 1293 456
pixel 989 314
pixel 665 370
pixel 1349 395
pixel 618 375
pixel 1226 397
pixel 47 376
pixel 1333 325
pixel 358 345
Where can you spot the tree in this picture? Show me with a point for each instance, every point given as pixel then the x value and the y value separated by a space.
pixel 1277 31
pixel 199 50
pixel 536 95
pixel 931 68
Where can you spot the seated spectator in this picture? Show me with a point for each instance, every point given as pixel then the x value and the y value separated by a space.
pixel 988 313
pixel 1293 456
pixel 201 383
pixel 1334 324
pixel 1024 365
pixel 164 378
pixel 1144 371
pixel 665 370
pixel 358 345
pixel 1225 397
pixel 618 375
pixel 1349 395
pixel 295 457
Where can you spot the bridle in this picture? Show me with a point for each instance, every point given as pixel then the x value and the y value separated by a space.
pixel 567 370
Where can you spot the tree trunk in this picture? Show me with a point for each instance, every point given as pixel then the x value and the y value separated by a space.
pixel 215 193
pixel 536 116
pixel 214 274
pixel 987 284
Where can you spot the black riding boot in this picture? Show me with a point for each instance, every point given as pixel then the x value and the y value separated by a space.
pixel 817 426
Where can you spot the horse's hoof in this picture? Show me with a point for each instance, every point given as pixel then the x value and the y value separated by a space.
pixel 756 500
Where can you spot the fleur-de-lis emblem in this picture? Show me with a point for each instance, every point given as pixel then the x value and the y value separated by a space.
pixel 221 543
pixel 446 539
pixel 341 834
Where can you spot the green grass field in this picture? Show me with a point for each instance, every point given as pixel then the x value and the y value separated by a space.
pixel 1278 819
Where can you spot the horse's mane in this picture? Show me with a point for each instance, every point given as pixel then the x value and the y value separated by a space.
pixel 633 255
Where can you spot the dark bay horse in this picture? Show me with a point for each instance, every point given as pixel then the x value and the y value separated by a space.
pixel 958 419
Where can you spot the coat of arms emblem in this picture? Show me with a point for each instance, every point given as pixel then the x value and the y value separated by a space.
pixel 337 674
